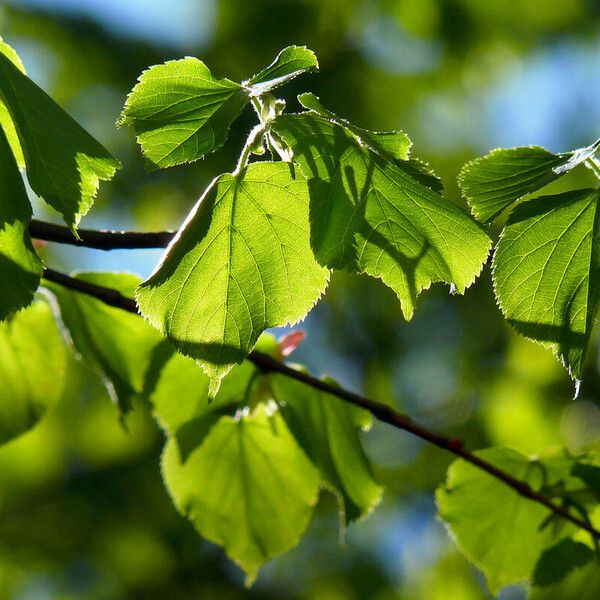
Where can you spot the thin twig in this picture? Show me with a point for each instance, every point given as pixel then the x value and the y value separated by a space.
pixel 382 412
pixel 102 240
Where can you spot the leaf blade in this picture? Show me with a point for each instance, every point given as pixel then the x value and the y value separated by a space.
pixel 546 272
pixel 255 504
pixel 288 64
pixel 180 112
pixel 20 266
pixel 64 163
pixel 240 264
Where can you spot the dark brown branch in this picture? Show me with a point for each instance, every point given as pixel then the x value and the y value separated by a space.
pixel 382 412
pixel 102 239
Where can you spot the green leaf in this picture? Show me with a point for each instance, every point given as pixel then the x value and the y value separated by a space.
pixel 496 528
pixel 289 63
pixel 393 145
pixel 495 181
pixel 241 263
pixel 64 163
pixel 248 487
pixel 181 112
pixel 6 122
pixel 370 216
pixel 20 267
pixel 569 570
pixel 180 397
pixel 547 272
pixel 32 368
pixel 327 430
pixel 556 562
pixel 119 345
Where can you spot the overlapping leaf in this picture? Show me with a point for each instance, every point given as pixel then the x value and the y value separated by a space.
pixel 327 430
pixel 568 570
pixel 20 267
pixel 118 344
pixel 64 163
pixel 547 272
pixel 247 487
pixel 288 64
pixel 33 360
pixel 370 215
pixel 241 263
pixel 500 531
pixel 495 181
pixel 180 111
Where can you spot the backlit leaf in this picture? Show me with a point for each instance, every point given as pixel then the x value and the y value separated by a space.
pixel 289 63
pixel 118 344
pixel 547 272
pixel 64 163
pixel 496 528
pixel 241 263
pixel 327 429
pixel 33 360
pixel 247 487
pixel 180 111
pixel 370 216
pixel 20 267
pixel 493 182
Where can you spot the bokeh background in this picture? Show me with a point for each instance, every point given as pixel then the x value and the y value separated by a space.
pixel 83 513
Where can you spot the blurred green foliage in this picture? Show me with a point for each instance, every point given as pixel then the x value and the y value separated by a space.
pixel 83 511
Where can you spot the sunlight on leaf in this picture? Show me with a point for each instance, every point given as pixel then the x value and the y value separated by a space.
pixel 547 272
pixel 180 111
pixel 20 267
pixel 64 163
pixel 247 487
pixel 33 360
pixel 369 215
pixel 241 263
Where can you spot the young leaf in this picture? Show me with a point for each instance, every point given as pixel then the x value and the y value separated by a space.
pixel 32 368
pixel 64 163
pixel 368 215
pixel 289 63
pixel 241 263
pixel 495 181
pixel 393 145
pixel 118 344
pixel 20 267
pixel 496 528
pixel 248 487
pixel 181 112
pixel 327 430
pixel 547 272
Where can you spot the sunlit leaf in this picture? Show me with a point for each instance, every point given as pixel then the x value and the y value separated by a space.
pixel 289 63
pixel 180 111
pixel 247 487
pixel 241 263
pixel 494 181
pixel 568 570
pixel 64 163
pixel 6 122
pixel 327 429
pixel 370 216
pixel 496 528
pixel 20 267
pixel 118 344
pixel 547 272
pixel 33 360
